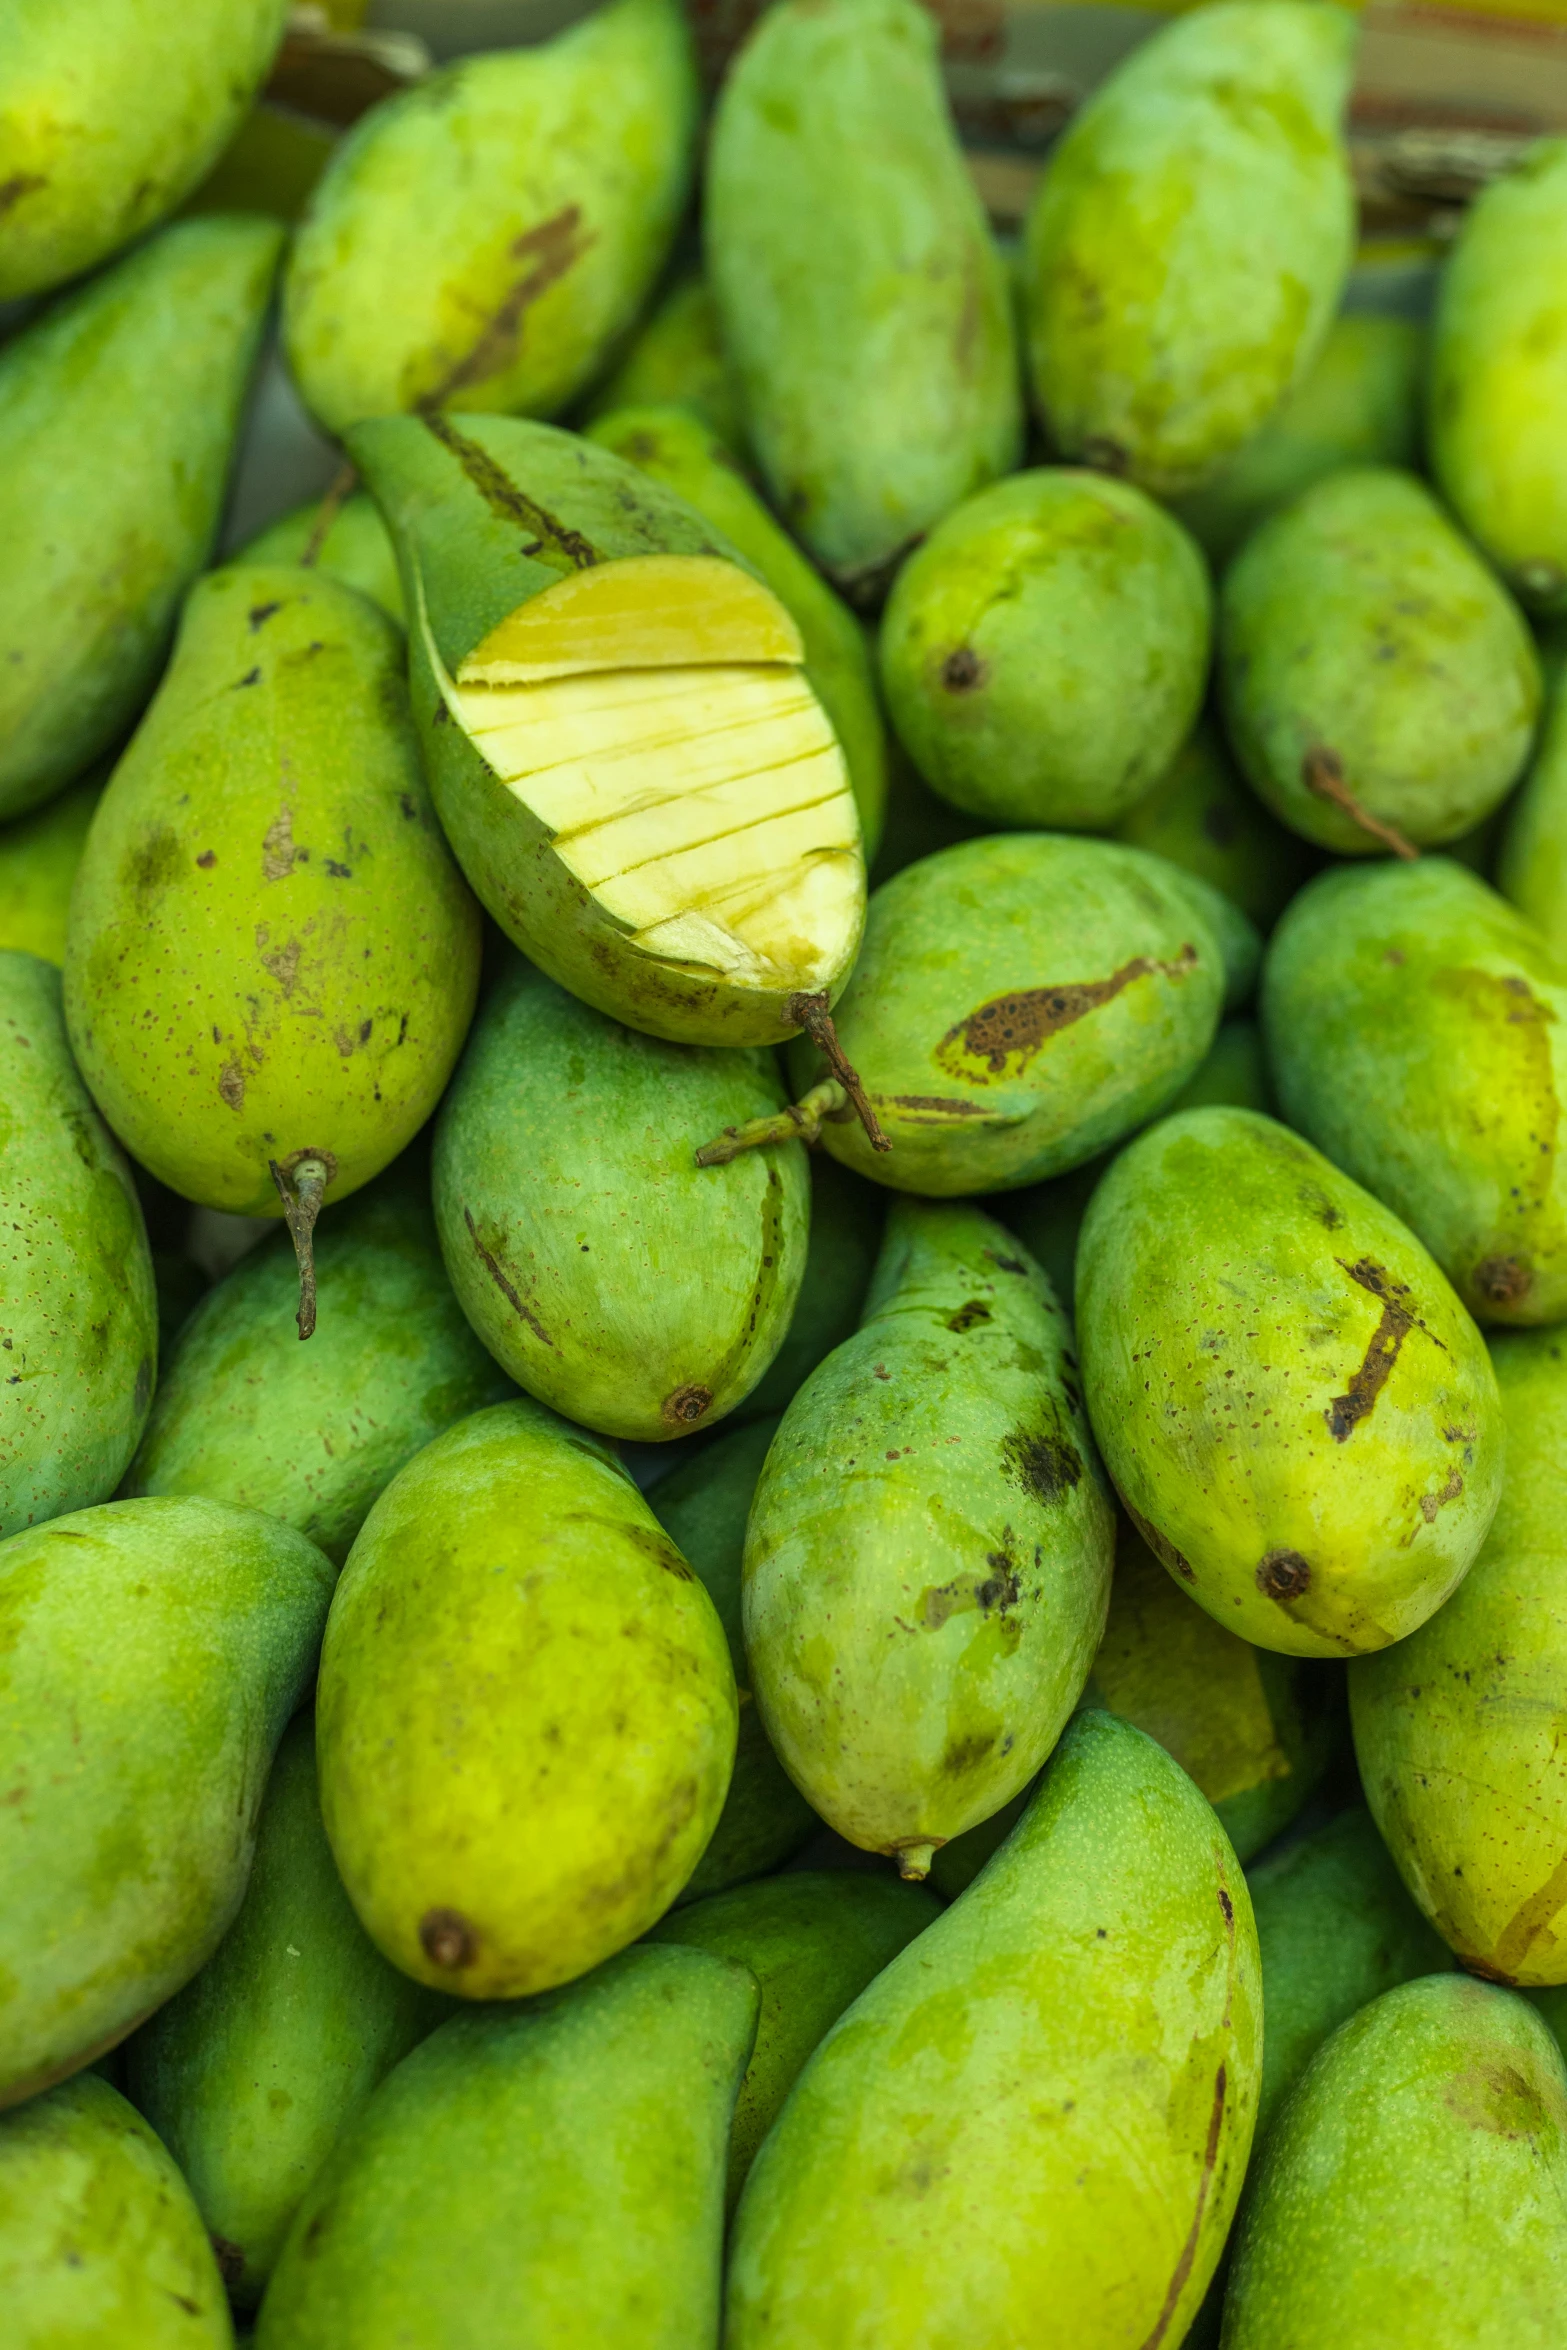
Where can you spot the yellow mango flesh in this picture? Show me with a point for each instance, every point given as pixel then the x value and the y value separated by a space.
pixel 643 612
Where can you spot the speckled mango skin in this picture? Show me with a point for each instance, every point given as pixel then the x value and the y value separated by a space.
pixel 1191 237
pixel 544 2174
pixel 861 299
pixel 1296 1409
pixel 1038 2115
pixel 78 1310
pixel 355 548
pixel 1458 1730
pixel 99 2239
pixel 1020 1002
pixel 608 1273
pixel 1417 1032
pixel 1357 622
pixel 1531 863
pixel 1498 380
pixel 118 414
pixel 1044 652
pixel 271 953
pixel 481 239
pixel 1203 817
pixel 154 1651
pixel 676 359
pixel 39 855
pixel 1411 2191
pixel 526 1711
pixel 927 1562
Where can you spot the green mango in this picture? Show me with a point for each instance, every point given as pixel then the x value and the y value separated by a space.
pixel 1411 2191
pixel 703 1508
pixel 354 548
pixel 105 127
pixel 526 1710
pixel 1380 686
pixel 1232 1283
pixel 482 239
pixel 813 1941
pixel 78 1310
pixel 1202 817
pixel 1411 1018
pixel 681 451
pixel 840 1257
pixel 622 748
pixel 154 1652
pixel 863 304
pixel 311 1435
pixel 1020 1002
pixel 1499 376
pixel 1044 652
pixel 39 855
pixel 677 360
pixel 1336 1929
pixel 1190 240
pixel 265 866
pixel 118 414
pixel 606 1272
pixel 534 2176
pixel 274 159
pixel 1358 404
pixel 1531 860
pixel 1055 2085
pixel 927 1561
pixel 100 2243
pixel 1457 1731
pixel 250 2074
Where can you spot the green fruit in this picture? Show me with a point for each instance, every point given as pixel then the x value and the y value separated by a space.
pixel 1190 240
pixel 354 548
pixel 1236 936
pixel 1411 2191
pixel 1499 376
pixel 105 126
pixel 677 360
pixel 813 1942
pixel 1531 864
pixel 118 412
pixel 862 302
pixel 609 1274
pixel 276 156
pixel 541 2175
pixel 272 958
pixel 703 1507
pixel 1358 404
pixel 154 1651
pixel 846 1222
pixel 251 2072
pixel 312 1435
pixel 100 2243
pixel 78 1312
pixel 527 1713
pixel 1380 686
pixel 482 239
pixel 1204 819
pixel 39 855
pixel 1054 2085
pixel 683 453
pixel 1302 1420
pixel 928 1556
pixel 1044 652
pixel 1412 1020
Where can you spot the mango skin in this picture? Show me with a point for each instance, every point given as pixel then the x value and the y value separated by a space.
pixel 1202 817
pixel 1531 860
pixel 118 414
pixel 1298 1413
pixel 265 865
pixel 608 1273
pixel 1499 376
pixel 535 2175
pixel 250 2074
pixel 1190 240
pixel 482 239
pixel 155 1650
pixel 676 359
pixel 813 1940
pixel 1357 622
pixel 99 2240
pixel 1019 1003
pixel 861 300
pixel 1411 2191
pixel 1413 1023
pixel 355 548
pixel 845 1239
pixel 927 1561
pixel 101 138
pixel 1055 2083
pixel 39 855
pixel 526 1712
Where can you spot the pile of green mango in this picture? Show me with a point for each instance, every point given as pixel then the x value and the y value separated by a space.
pixel 783 1198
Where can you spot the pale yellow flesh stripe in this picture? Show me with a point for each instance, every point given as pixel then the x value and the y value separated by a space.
pixel 642 612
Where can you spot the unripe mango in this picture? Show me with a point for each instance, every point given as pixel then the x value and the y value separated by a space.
pixel 39 855
pixel 354 547
pixel 677 360
pixel 1203 818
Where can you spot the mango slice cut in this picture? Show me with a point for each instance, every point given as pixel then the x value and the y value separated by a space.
pixel 642 612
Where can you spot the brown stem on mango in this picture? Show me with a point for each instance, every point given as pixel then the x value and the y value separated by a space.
pixel 799 1121
pixel 310 1176
pixel 338 490
pixel 813 1015
pixel 1322 772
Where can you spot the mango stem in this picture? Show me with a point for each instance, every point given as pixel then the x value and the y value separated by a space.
pixel 914 1861
pixel 812 1013
pixel 1322 772
pixel 301 1206
pixel 801 1120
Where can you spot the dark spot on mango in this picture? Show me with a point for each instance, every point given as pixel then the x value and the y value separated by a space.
pixel 1503 1281
pixel 1042 1463
pixel 1000 1038
pixel 963 670
pixel 1283 1574
pixel 686 1405
pixel 447 1938
pixel 968 1315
